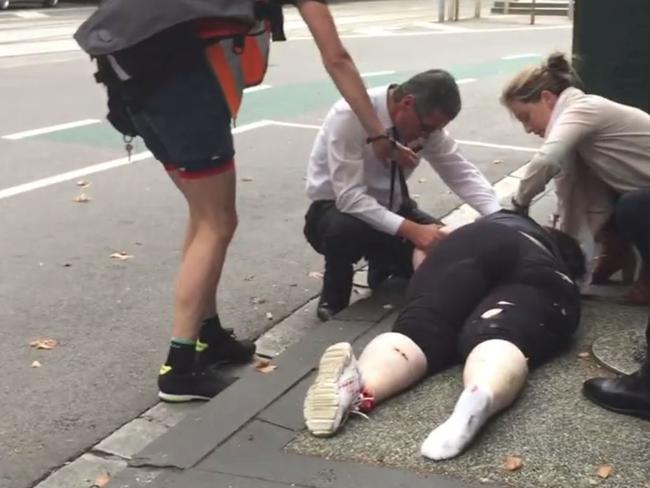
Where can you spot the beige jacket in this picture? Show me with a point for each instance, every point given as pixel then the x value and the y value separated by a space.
pixel 594 149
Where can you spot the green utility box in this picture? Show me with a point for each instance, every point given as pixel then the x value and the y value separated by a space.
pixel 611 42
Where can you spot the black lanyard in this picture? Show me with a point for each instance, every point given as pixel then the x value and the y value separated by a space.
pixel 396 170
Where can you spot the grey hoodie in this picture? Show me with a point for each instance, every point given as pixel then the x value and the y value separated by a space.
pixel 119 24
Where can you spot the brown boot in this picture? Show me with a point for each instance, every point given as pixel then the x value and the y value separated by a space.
pixel 639 294
pixel 617 255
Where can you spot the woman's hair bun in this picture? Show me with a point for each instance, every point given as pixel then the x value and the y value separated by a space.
pixel 558 62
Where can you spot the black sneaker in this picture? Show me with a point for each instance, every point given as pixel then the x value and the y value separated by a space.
pixel 222 347
pixel 195 385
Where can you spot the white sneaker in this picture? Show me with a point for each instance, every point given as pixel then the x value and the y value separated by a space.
pixel 336 392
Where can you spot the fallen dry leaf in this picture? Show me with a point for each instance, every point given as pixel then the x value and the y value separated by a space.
pixel 122 256
pixel 513 463
pixel 249 277
pixel 269 315
pixel 258 301
pixel 46 344
pixel 267 369
pixel 604 471
pixel 102 480
pixel 82 198
pixel 422 180
pixel 316 274
pixel 247 179
pixel 83 183
pixel 584 355
pixel 497 161
pixel 264 365
pixel 36 364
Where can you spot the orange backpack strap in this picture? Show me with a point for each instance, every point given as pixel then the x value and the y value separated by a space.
pixel 240 62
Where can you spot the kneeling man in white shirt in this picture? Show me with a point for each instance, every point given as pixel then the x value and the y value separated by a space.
pixel 360 204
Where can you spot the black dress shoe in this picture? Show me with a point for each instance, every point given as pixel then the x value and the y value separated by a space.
pixel 325 311
pixel 629 395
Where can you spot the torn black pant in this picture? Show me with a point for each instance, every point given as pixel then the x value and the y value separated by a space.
pixel 488 281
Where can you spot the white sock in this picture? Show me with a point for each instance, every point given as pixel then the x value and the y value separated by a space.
pixel 470 413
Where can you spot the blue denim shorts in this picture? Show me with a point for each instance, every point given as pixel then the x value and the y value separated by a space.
pixel 182 115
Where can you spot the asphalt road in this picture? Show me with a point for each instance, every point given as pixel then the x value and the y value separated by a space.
pixel 111 318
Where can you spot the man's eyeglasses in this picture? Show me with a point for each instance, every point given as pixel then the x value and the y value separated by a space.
pixel 424 127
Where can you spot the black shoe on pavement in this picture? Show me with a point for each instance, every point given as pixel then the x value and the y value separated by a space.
pixel 220 346
pixel 628 395
pixel 337 287
pixel 325 311
pixel 194 385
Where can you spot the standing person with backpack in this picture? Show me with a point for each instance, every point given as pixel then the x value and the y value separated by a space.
pixel 175 71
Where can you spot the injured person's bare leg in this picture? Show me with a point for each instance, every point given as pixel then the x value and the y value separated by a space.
pixel 390 363
pixel 495 373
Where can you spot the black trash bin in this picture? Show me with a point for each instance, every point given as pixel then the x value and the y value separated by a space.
pixel 611 42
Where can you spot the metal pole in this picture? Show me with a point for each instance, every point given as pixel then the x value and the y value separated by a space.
pixel 477 9
pixel 571 7
pixel 441 10
pixel 456 10
pixel 506 7
pixel 532 13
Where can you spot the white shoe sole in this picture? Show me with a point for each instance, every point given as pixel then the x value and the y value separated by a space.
pixel 171 398
pixel 322 403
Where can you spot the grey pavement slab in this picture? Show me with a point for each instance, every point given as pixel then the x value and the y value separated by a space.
pixel 199 433
pixel 561 437
pixel 622 351
pixel 131 438
pixel 82 472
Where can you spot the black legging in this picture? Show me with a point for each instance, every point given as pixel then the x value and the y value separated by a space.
pixel 489 281
pixel 632 218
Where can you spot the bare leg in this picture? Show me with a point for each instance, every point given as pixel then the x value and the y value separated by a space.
pixel 390 363
pixel 212 223
pixel 190 234
pixel 495 373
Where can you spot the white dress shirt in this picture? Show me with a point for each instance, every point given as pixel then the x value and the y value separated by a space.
pixel 343 167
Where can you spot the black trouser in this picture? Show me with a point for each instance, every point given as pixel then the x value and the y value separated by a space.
pixel 488 281
pixel 344 240
pixel 632 219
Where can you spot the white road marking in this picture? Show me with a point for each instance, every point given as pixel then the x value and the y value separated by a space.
pixel 377 73
pixel 98 168
pixel 40 47
pixel 71 175
pixel 26 14
pixel 437 26
pixel 52 128
pixel 522 56
pixel 437 33
pixel 496 146
pixel 295 124
pixel 504 188
pixel 254 89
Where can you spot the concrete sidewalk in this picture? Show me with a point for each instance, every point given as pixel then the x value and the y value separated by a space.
pixel 252 434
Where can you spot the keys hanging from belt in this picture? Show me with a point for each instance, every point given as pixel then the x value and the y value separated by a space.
pixel 128 145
